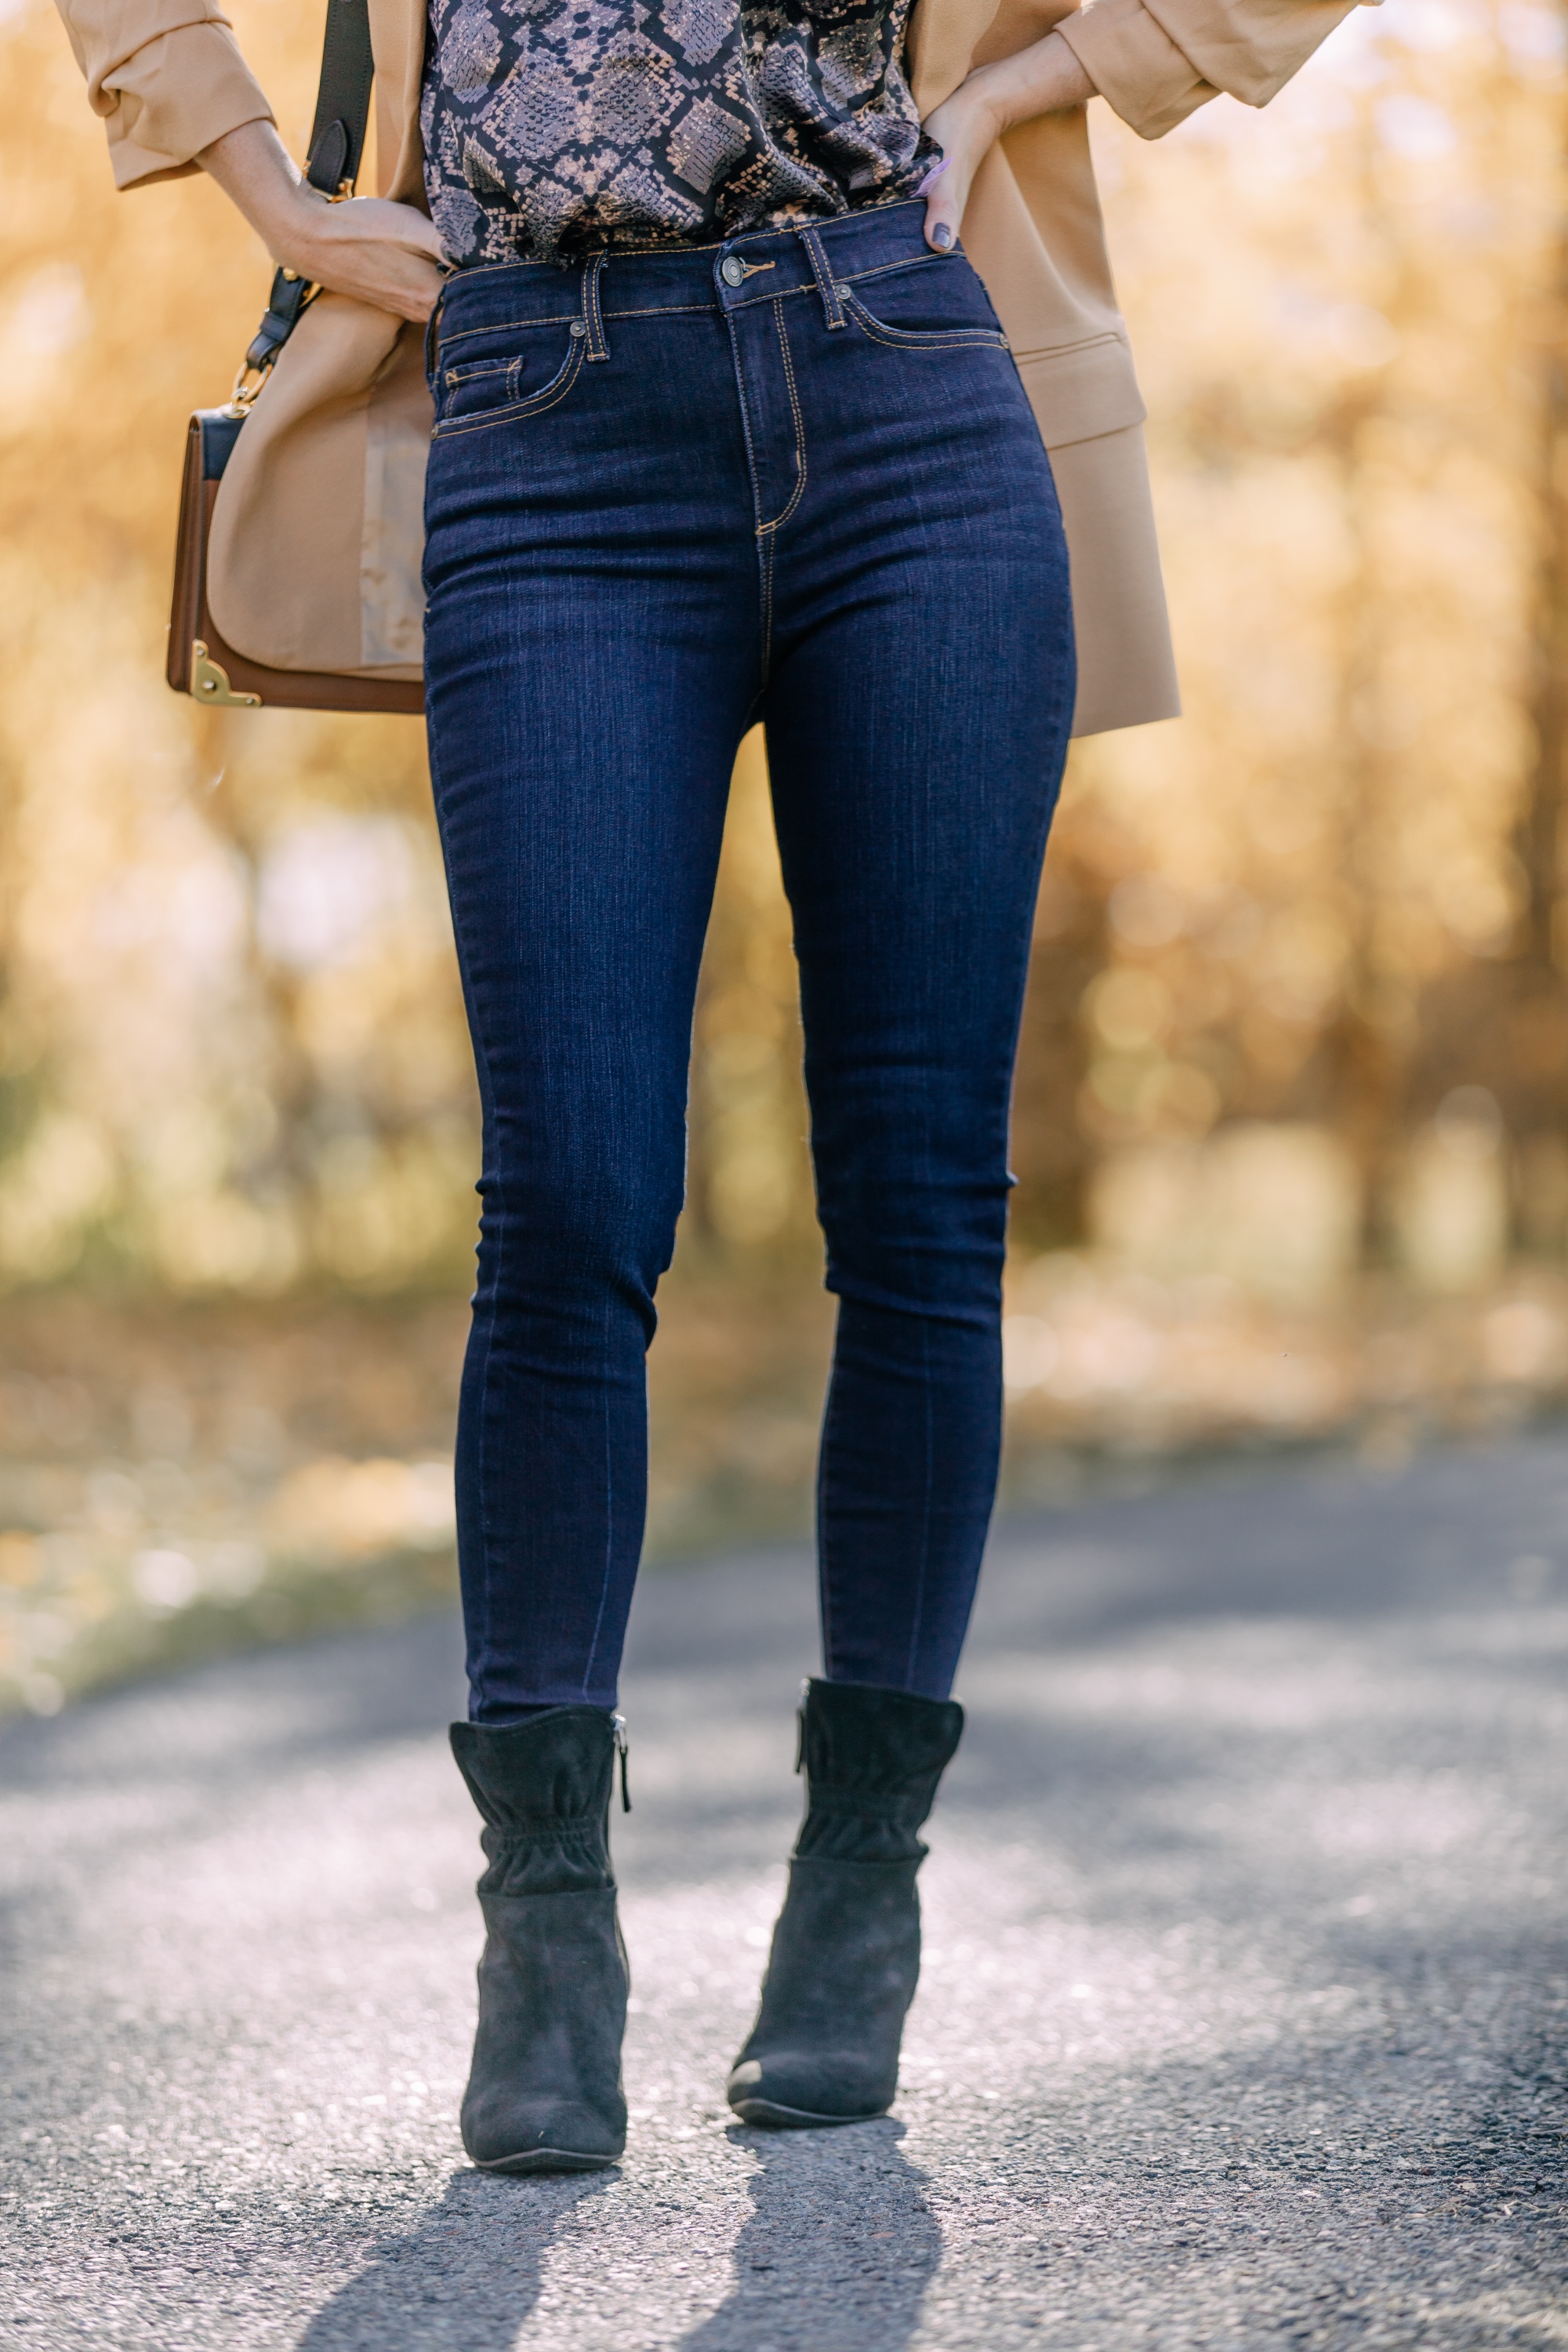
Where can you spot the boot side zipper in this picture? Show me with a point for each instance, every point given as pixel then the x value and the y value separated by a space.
pixel 618 1731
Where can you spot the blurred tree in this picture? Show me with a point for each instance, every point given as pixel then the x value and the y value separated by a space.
pixel 231 1043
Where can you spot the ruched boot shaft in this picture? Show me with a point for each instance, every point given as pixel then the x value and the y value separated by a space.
pixel 544 2093
pixel 846 1951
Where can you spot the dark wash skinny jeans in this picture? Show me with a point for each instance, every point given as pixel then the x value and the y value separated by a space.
pixel 793 477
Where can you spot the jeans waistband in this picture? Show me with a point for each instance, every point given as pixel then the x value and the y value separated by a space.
pixel 759 267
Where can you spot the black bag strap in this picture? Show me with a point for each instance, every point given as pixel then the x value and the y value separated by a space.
pixel 337 146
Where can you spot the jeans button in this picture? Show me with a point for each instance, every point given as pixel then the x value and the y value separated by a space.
pixel 732 269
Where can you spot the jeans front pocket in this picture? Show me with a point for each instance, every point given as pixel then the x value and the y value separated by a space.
pixel 934 304
pixel 497 376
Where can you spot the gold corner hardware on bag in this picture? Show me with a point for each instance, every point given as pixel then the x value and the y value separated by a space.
pixel 209 683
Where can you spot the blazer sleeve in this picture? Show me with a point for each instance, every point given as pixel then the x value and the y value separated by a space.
pixel 1157 60
pixel 167 78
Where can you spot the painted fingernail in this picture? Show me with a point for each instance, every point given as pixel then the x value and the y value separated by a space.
pixel 942 234
pixel 932 176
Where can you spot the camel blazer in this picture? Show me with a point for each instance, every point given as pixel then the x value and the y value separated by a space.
pixel 316 537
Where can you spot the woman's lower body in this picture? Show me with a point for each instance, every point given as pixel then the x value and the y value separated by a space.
pixel 793 478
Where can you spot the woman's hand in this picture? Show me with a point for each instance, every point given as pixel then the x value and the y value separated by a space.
pixel 383 254
pixel 1046 79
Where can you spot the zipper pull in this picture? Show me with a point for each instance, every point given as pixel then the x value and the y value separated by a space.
pixel 800 1726
pixel 618 1731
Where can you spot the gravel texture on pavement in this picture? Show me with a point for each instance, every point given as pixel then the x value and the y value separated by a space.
pixel 1244 2020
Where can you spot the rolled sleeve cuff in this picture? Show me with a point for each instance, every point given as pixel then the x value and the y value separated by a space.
pixel 1135 65
pixel 171 97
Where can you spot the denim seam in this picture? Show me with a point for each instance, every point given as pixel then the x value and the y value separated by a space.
pixel 565 319
pixel 851 278
pixel 509 326
pixel 832 302
pixel 610 1517
pixel 762 538
pixel 848 283
pixel 746 431
pixel 598 348
pixel 664 311
pixel 876 333
pixel 910 339
pixel 556 390
pixel 487 1095
pixel 482 367
pixel 918 1615
pixel 823 1523
pixel 799 490
pixel 893 268
pixel 765 560
pixel 778 294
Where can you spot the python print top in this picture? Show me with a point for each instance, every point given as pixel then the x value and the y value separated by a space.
pixel 559 128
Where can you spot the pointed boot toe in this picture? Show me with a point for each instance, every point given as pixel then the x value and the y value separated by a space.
pixel 518 2135
pixel 806 2090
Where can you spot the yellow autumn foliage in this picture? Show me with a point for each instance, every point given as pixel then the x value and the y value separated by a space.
pixel 1296 1004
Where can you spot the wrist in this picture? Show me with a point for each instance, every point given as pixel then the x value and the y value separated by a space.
pixel 1044 79
pixel 994 97
pixel 994 113
pixel 974 115
pixel 293 227
pixel 292 217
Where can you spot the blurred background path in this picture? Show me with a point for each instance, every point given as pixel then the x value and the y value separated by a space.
pixel 1291 1120
pixel 1244 2020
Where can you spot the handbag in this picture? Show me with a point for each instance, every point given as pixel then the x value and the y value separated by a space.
pixel 200 663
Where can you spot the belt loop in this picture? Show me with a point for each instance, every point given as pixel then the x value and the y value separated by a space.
pixel 592 319
pixel 823 277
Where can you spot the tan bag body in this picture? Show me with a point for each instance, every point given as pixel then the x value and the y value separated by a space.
pixel 311 477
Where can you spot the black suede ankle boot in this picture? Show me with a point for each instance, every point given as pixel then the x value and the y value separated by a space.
pixel 847 1951
pixel 544 2092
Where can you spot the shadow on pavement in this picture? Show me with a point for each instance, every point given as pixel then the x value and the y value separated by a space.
pixel 839 2248
pixel 468 2274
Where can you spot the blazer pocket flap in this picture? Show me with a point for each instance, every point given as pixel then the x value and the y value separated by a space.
pixel 1079 391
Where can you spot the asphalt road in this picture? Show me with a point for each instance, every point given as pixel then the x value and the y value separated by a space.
pixel 1245 2018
